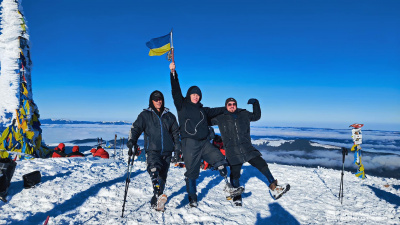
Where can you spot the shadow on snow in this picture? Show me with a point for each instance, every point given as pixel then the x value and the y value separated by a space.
pixel 387 196
pixel 17 187
pixel 278 216
pixel 74 202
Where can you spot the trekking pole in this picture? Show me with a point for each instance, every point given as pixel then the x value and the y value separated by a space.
pixel 131 158
pixel 344 153
pixel 47 220
pixel 120 145
pixel 115 145
pixel 123 145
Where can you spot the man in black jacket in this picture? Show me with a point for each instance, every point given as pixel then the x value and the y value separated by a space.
pixel 161 138
pixel 234 126
pixel 193 121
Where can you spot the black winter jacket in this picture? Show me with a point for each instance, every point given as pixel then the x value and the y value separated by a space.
pixel 193 118
pixel 160 133
pixel 235 132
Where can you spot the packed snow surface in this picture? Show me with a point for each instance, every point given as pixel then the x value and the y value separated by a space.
pixel 90 191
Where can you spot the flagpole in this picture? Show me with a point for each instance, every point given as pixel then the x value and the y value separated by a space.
pixel 172 52
pixel 172 48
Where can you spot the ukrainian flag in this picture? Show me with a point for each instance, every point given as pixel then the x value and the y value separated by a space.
pixel 160 45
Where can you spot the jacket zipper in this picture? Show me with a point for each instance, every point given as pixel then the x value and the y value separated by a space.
pixel 240 148
pixel 162 136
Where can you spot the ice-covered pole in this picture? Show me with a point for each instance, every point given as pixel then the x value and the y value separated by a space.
pixel 19 116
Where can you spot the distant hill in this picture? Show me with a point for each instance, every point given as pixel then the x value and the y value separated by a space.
pixel 63 121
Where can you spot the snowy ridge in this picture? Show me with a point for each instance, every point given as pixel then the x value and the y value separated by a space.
pixel 90 191
pixel 65 121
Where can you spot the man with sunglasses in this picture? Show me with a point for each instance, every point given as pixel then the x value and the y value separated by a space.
pixel 234 126
pixel 161 138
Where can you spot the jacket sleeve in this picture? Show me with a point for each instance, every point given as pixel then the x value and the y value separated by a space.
pixel 213 112
pixel 137 128
pixel 256 114
pixel 214 121
pixel 175 134
pixel 176 91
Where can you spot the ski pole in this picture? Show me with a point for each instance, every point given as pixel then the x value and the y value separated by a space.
pixel 131 158
pixel 344 153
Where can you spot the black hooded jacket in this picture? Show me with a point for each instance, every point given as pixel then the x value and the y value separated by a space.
pixel 235 132
pixel 193 118
pixel 161 130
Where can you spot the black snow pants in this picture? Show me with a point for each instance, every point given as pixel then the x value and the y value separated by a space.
pixel 161 163
pixel 194 151
pixel 259 163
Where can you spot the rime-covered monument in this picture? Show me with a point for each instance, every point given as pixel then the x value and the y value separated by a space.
pixel 19 116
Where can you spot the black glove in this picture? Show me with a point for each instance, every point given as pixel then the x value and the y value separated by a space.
pixel 130 144
pixel 252 101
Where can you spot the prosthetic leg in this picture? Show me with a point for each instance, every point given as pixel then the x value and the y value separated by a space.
pixel 159 199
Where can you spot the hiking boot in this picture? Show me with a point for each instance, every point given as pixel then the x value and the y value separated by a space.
pixel 232 190
pixel 277 191
pixel 193 202
pixel 161 203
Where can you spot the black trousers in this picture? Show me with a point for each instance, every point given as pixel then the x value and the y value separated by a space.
pixel 259 163
pixel 161 163
pixel 194 151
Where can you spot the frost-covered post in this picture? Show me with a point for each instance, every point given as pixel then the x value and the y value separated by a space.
pixel 19 116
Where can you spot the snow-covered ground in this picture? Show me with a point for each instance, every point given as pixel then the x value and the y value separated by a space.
pixel 90 191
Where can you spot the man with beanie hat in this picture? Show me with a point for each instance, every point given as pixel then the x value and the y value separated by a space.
pixel 230 100
pixel 193 120
pixel 161 138
pixel 234 125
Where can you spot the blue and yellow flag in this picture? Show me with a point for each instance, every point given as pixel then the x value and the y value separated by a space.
pixel 160 45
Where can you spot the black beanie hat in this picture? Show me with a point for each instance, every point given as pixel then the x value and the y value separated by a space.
pixel 156 95
pixel 194 90
pixel 230 100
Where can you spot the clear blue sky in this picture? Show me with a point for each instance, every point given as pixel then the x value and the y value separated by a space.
pixel 308 62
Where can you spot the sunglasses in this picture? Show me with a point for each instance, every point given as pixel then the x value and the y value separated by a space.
pixel 231 104
pixel 157 100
